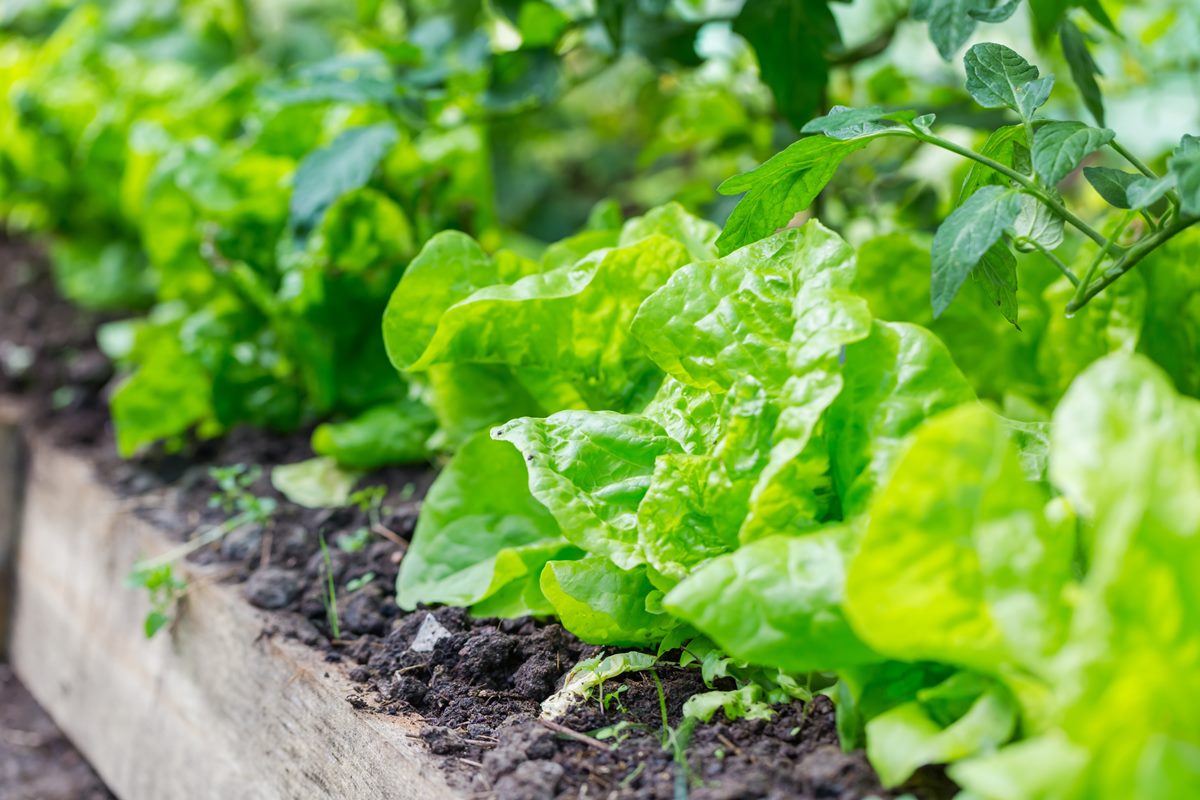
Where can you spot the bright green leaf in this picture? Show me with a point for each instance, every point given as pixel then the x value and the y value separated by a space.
pixel 481 533
pixel 777 602
pixel 346 164
pixel 315 483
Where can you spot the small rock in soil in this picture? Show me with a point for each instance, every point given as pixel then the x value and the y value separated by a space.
pixel 533 780
pixel 272 588
pixel 429 634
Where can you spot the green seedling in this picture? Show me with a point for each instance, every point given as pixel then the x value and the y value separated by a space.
pixel 329 599
pixel 232 496
pixel 165 589
pixel 353 542
pixel 357 583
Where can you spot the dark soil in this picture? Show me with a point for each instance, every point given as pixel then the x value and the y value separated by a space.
pixel 36 760
pixel 480 687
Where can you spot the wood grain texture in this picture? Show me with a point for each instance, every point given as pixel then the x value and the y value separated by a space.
pixel 211 708
pixel 12 473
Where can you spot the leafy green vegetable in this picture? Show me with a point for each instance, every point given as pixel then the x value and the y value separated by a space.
pixel 777 602
pixel 315 483
pixel 591 469
pixel 907 737
pixel 603 603
pixel 481 536
pixel 378 437
pixel 713 321
pixel 962 597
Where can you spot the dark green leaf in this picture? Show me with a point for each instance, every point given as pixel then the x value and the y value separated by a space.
pixel 790 38
pixel 783 185
pixel 950 22
pixel 1083 69
pixel 1111 184
pixel 1185 169
pixel 998 273
pixel 998 77
pixel 1006 145
pixel 966 236
pixel 995 11
pixel 1047 14
pixel 1144 192
pixel 1060 147
pixel 522 78
pixel 326 174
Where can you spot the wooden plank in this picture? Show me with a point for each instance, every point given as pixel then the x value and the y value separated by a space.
pixel 212 709
pixel 12 473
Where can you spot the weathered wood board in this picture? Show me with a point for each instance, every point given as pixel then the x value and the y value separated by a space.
pixel 211 708
pixel 12 473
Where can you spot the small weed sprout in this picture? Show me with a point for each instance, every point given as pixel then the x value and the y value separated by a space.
pixel 613 698
pixel 165 589
pixel 369 500
pixel 355 584
pixel 353 542
pixel 233 496
pixel 329 599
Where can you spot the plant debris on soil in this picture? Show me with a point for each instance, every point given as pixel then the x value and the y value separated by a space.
pixel 479 687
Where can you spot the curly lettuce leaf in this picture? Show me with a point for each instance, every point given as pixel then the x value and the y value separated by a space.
pixel 914 734
pixel 895 379
pixel 716 320
pixel 570 325
pixel 777 602
pixel 604 604
pixel 696 502
pixel 959 563
pixel 591 469
pixel 698 235
pixel 481 537
pixel 1125 449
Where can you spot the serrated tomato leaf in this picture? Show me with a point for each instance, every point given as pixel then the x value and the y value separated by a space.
pixel 1060 147
pixel 966 236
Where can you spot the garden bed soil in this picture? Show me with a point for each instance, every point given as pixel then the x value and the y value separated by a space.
pixel 480 688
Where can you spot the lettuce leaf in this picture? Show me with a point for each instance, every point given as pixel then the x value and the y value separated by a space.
pixel 604 604
pixel 481 536
pixel 716 320
pixel 777 602
pixel 591 469
pixel 959 563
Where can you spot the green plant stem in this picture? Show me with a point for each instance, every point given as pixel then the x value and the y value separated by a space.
pixel 1141 167
pixel 662 707
pixel 1029 185
pixel 192 545
pixel 331 611
pixel 1132 159
pixel 1056 261
pixel 1100 256
pixel 1132 256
